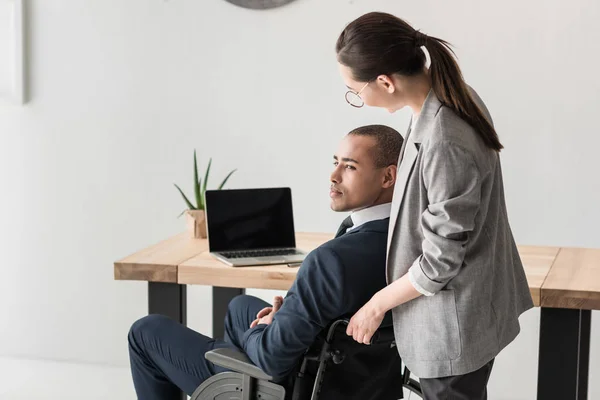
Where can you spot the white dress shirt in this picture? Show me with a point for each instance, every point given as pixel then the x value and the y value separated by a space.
pixel 381 211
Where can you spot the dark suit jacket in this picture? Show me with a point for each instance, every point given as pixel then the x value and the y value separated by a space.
pixel 335 280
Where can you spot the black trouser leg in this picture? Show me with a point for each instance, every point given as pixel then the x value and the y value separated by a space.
pixel 471 386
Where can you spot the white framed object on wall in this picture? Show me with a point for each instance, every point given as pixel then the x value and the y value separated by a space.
pixel 12 73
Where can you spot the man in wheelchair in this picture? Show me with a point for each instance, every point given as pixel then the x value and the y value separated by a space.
pixel 335 280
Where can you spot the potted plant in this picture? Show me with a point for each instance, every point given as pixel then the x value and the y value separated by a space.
pixel 196 219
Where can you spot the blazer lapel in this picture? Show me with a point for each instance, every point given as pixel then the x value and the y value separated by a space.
pixel 406 166
pixel 415 137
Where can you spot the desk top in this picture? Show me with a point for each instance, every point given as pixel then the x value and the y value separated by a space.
pixel 159 263
pixel 574 280
pixel 537 262
pixel 557 277
pixel 203 269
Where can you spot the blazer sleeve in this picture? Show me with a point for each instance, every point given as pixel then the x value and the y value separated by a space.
pixel 315 299
pixel 453 185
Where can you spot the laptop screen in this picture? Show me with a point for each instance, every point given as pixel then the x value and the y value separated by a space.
pixel 249 219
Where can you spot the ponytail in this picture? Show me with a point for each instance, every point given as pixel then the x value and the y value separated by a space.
pixel 450 88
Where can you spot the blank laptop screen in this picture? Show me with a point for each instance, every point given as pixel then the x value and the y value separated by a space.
pixel 247 219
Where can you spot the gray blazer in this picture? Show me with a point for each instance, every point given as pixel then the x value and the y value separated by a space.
pixel 449 230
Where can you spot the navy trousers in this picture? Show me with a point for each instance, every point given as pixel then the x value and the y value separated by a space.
pixel 167 357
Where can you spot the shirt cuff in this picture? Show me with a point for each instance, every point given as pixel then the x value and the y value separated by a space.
pixel 416 275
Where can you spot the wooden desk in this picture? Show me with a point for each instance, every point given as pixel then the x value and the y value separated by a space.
pixel 160 262
pixel 172 264
pixel 574 281
pixel 203 269
pixel 564 282
pixel 537 262
pixel 186 261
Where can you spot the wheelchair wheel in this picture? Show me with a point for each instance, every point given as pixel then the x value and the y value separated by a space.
pixel 228 385
pixel 411 385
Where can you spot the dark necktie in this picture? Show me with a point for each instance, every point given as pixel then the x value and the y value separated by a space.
pixel 347 223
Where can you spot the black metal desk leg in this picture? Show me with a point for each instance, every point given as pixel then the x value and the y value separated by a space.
pixel 564 354
pixel 169 299
pixel 221 297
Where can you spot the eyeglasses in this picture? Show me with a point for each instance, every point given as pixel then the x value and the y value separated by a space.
pixel 353 98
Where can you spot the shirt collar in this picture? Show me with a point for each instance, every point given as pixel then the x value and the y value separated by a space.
pixel 381 211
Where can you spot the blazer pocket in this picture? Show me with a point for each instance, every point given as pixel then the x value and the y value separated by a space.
pixel 427 328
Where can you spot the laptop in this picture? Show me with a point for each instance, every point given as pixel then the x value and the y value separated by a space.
pixel 252 226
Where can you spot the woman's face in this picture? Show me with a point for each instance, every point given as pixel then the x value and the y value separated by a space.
pixel 384 92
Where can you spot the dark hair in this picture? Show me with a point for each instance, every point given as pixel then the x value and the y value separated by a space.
pixel 388 143
pixel 382 44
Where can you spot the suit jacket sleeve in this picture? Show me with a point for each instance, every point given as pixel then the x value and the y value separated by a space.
pixel 453 185
pixel 315 299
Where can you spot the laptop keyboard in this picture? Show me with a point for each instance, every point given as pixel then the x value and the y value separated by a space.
pixel 259 253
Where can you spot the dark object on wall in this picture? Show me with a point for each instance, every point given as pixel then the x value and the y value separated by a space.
pixel 260 4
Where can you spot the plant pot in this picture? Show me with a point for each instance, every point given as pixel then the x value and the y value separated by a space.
pixel 196 223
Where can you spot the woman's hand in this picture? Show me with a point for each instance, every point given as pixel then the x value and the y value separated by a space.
pixel 365 322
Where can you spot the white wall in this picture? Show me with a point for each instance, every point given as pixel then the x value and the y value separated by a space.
pixel 122 91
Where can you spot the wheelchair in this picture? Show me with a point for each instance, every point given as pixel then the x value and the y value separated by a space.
pixel 334 367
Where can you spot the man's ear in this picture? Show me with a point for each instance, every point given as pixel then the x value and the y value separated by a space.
pixel 389 177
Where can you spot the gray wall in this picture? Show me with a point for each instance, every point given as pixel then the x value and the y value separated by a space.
pixel 123 91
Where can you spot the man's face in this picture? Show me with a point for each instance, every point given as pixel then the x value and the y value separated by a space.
pixel 355 181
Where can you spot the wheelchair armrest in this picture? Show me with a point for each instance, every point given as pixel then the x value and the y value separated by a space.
pixel 236 361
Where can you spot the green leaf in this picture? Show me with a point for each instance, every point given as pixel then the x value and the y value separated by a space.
pixel 190 205
pixel 226 178
pixel 201 204
pixel 196 182
pixel 201 199
pixel 206 177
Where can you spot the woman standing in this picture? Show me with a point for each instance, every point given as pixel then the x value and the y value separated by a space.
pixel 456 284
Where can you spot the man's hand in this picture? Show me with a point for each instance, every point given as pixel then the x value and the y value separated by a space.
pixel 265 316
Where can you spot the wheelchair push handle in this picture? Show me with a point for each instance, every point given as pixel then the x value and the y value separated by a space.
pixel 383 335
